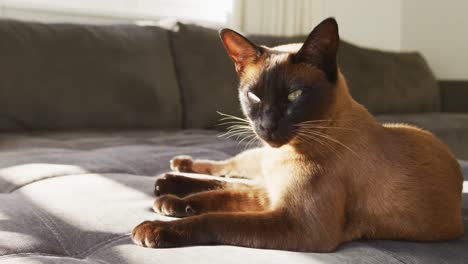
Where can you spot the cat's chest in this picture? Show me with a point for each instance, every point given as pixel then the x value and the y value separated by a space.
pixel 280 171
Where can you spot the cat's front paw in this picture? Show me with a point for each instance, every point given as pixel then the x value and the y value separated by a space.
pixel 157 234
pixel 182 163
pixel 168 183
pixel 181 186
pixel 170 205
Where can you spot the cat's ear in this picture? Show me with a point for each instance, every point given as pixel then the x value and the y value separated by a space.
pixel 240 49
pixel 321 47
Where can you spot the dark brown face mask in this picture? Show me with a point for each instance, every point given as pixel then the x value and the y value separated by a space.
pixel 281 88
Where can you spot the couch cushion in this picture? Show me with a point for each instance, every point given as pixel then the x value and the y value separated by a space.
pixel 389 82
pixel 451 128
pixel 75 197
pixel 63 76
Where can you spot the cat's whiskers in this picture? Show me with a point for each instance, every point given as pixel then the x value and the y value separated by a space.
pixel 232 123
pixel 251 141
pixel 246 137
pixel 307 126
pixel 310 129
pixel 236 132
pixel 329 120
pixel 235 129
pixel 325 136
pixel 226 116
pixel 307 138
pixel 239 128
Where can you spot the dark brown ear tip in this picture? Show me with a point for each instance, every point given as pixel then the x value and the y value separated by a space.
pixel 225 31
pixel 332 22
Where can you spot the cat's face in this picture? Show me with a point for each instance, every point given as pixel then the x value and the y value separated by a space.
pixel 283 87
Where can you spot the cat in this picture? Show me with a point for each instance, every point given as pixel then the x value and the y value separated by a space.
pixel 328 173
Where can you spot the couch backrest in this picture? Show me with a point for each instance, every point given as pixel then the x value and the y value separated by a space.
pixel 389 82
pixel 384 82
pixel 61 76
pixel 64 76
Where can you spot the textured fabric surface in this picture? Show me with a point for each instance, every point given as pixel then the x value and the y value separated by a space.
pixel 75 197
pixel 451 128
pixel 385 82
pixel 63 76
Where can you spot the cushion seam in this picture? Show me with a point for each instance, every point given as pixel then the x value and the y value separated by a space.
pixel 50 224
pixel 27 254
pixel 82 255
pixel 184 115
pixel 102 244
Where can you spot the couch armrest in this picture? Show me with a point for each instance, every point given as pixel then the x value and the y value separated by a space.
pixel 454 96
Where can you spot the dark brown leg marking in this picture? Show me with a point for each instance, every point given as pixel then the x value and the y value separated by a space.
pixel 182 186
pixel 227 200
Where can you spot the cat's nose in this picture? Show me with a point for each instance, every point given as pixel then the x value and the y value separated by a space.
pixel 269 126
pixel 269 122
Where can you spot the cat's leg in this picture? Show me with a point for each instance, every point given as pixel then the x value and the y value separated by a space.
pixel 269 230
pixel 308 217
pixel 181 186
pixel 246 165
pixel 227 200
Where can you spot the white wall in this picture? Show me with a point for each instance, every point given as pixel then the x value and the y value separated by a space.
pixel 117 11
pixel 370 23
pixel 53 11
pixel 276 17
pixel 439 30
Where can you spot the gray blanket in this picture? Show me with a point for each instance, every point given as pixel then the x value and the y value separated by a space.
pixel 75 197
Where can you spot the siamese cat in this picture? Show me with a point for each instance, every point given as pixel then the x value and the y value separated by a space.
pixel 328 172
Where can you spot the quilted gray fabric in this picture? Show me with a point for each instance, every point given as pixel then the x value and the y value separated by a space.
pixel 75 197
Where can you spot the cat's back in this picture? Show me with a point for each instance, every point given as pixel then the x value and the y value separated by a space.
pixel 426 182
pixel 418 149
pixel 417 141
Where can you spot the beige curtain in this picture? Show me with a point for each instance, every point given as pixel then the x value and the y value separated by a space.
pixel 276 17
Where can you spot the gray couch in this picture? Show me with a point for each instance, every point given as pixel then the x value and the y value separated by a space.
pixel 90 114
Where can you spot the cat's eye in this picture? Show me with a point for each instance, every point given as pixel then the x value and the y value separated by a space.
pixel 292 96
pixel 252 97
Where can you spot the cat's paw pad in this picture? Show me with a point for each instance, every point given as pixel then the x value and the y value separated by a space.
pixel 182 163
pixel 155 234
pixel 170 205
